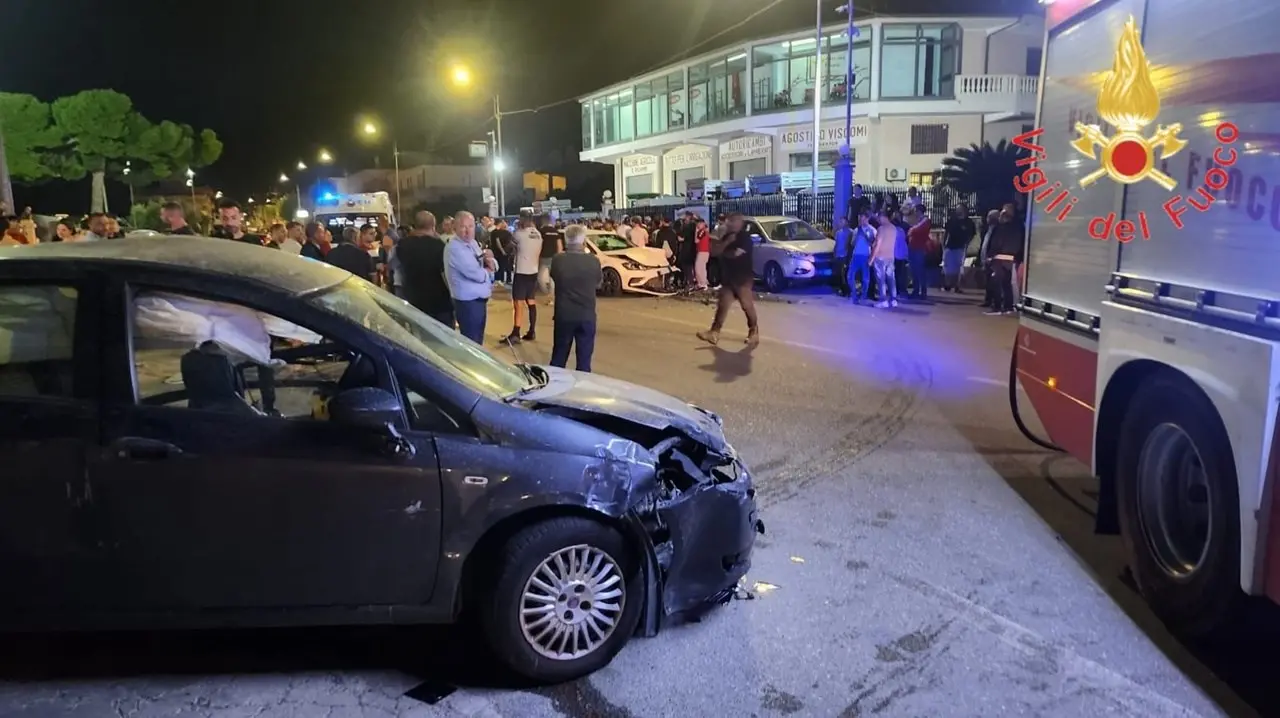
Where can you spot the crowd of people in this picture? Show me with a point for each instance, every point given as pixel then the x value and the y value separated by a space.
pixel 891 251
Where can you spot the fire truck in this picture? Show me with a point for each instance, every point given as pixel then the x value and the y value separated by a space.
pixel 1148 337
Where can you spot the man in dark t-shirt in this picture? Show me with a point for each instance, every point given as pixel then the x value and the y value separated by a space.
pixel 737 278
pixel 347 255
pixel 421 256
pixel 577 276
pixel 552 244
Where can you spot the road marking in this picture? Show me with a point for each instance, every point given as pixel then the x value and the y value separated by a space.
pixel 1138 699
pixel 988 380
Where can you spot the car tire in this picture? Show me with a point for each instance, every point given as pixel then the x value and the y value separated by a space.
pixel 514 636
pixel 611 283
pixel 1171 424
pixel 774 279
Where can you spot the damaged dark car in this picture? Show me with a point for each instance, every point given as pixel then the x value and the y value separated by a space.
pixel 205 433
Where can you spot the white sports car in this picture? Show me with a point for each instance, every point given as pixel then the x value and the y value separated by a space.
pixel 640 270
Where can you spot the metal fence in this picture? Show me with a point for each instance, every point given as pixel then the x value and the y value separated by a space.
pixel 818 209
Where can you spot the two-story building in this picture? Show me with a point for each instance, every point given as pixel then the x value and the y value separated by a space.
pixel 922 87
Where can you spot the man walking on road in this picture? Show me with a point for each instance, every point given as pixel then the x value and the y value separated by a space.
pixel 736 281
pixel 470 272
pixel 420 256
pixel 552 244
pixel 577 276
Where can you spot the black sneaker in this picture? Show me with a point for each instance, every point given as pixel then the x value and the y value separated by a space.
pixel 513 338
pixel 530 336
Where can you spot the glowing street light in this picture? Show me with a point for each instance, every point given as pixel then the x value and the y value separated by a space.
pixel 370 128
pixel 217 195
pixel 325 157
pixel 461 75
pixel 283 178
pixel 250 200
pixel 499 166
pixel 302 166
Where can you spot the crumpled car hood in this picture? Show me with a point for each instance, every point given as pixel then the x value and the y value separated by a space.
pixel 614 397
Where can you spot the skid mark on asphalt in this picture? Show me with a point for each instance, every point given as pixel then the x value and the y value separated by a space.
pixel 870 432
pixel 907 385
pixel 1089 676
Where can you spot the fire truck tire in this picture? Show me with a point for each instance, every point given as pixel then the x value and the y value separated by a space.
pixel 1175 460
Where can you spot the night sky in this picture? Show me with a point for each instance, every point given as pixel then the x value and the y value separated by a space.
pixel 278 79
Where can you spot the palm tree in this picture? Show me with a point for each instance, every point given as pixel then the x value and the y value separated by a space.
pixel 985 171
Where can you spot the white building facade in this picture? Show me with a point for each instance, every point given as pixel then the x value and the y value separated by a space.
pixel 923 86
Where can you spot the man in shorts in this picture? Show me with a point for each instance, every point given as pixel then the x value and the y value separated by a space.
pixel 524 285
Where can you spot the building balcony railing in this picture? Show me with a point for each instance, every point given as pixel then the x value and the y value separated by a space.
pixel 1014 94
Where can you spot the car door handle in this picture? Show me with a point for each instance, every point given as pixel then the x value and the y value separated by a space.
pixel 135 447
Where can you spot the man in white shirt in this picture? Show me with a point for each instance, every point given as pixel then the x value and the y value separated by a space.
pixel 639 236
pixel 524 285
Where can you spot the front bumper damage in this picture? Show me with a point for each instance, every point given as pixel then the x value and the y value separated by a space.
pixel 698 528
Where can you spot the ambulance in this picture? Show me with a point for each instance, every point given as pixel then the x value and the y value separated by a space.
pixel 340 211
pixel 1148 337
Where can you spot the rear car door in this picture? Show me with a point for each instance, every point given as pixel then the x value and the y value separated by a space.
pixel 48 424
pixel 219 507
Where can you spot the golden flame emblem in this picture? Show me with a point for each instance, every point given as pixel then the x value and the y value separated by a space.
pixel 1129 101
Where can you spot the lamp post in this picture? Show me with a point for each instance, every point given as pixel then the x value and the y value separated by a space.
pixel 126 171
pixel 461 77
pixel 191 185
pixel 819 83
pixel 371 130
pixel 297 191
pixel 844 163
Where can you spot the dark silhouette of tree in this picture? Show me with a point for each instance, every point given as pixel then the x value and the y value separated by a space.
pixel 985 171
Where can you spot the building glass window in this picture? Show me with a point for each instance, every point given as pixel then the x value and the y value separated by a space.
pixel 919 61
pixel 626 116
pixel 784 74
pixel 676 108
pixel 717 89
pixel 586 125
pixel 597 111
pixel 658 104
pixel 835 59
pixel 699 77
pixel 922 179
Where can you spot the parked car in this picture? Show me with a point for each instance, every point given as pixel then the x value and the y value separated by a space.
pixel 639 270
pixel 789 250
pixel 204 433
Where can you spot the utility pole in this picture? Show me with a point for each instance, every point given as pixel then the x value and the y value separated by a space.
pixel 6 189
pixel 395 152
pixel 819 84
pixel 502 178
pixel 844 163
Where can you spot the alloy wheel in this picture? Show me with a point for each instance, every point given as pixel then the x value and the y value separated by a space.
pixel 572 602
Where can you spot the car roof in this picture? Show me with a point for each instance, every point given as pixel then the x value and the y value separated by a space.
pixel 294 274
pixel 774 218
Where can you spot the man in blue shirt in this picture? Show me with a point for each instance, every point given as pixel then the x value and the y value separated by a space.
pixel 470 272
pixel 859 279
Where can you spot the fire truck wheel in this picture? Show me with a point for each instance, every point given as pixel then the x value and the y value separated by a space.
pixel 1178 500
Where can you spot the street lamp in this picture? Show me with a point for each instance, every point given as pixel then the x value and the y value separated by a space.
pixel 126 171
pixel 297 190
pixel 844 162
pixel 499 166
pixel 217 195
pixel 191 184
pixel 302 166
pixel 461 76
pixel 371 130
pixel 324 157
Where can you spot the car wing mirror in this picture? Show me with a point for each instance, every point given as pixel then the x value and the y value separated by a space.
pixel 756 239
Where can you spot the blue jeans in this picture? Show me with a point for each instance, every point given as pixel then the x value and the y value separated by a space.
pixel 919 274
pixel 581 335
pixel 472 314
pixel 860 271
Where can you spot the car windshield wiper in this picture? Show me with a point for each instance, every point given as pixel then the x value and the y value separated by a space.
pixel 537 376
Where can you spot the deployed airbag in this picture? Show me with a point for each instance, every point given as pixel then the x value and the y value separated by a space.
pixel 241 332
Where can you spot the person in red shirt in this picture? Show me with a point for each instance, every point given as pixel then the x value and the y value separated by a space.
pixel 702 245
pixel 918 242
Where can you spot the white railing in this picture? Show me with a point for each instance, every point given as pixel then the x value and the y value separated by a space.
pixel 989 85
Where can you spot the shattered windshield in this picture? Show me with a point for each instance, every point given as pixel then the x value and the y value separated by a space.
pixel 442 347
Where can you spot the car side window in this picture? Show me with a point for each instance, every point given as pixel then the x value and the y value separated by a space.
pixel 779 233
pixel 37 335
pixel 196 353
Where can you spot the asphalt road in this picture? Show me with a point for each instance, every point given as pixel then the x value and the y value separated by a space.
pixel 922 559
